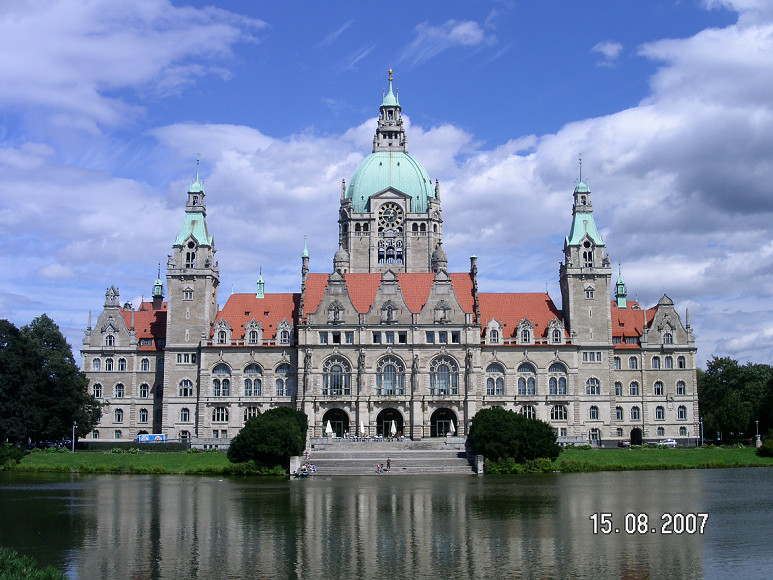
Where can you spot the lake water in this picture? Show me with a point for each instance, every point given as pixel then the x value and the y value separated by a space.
pixel 394 526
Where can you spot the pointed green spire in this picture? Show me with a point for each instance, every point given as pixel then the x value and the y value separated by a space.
pixel 390 100
pixel 305 253
pixel 158 286
pixel 261 285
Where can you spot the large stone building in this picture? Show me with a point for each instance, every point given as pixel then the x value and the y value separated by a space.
pixel 390 337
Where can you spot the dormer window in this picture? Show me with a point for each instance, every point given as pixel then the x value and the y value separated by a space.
pixel 110 340
pixel 221 337
pixel 494 336
pixel 668 338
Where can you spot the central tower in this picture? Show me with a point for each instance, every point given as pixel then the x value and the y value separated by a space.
pixel 390 216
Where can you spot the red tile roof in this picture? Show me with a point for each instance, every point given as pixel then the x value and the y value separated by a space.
pixel 629 322
pixel 269 311
pixel 510 308
pixel 364 287
pixel 148 323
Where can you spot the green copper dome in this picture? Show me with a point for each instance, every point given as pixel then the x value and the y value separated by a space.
pixel 384 169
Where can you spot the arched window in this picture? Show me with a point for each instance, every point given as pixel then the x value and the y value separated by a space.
pixel 618 389
pixel 681 388
pixel 558 413
pixel 219 414
pixel 186 388
pixel 525 335
pixel 669 362
pixel 145 365
pixel 592 386
pixel 109 340
pixel 185 415
pixel 185 436
pixel 284 381
pixel 557 381
pixel 681 413
pixel 527 379
pixel 683 431
pixel 633 363
pixel 593 413
pixel 144 391
pixel 252 337
pixel 660 413
pixel 495 379
pixel 284 337
pixel 121 364
pixel 96 364
pixel 118 415
pixel 253 383
pixel 668 338
pixel 390 376
pixel 143 415
pixel 556 335
pixel 658 389
pixel 494 335
pixel 221 384
pixel 117 434
pixel 95 434
pixel 619 415
pixel 221 336
pixel 336 373
pixel 635 414
pixel 119 390
pixel 661 431
pixel 681 362
pixel 633 389
pixel 529 412
pixel 443 377
pixel 250 412
pixel 97 391
pixel 655 362
pixel 108 364
pixel 618 363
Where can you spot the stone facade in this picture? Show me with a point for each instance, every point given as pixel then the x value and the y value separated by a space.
pixel 390 341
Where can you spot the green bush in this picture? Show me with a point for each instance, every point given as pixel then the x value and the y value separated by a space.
pixel 14 566
pixel 271 438
pixel 10 455
pixel 767 449
pixel 497 434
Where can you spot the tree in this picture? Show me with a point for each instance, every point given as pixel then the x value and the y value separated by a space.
pixel 733 397
pixel 498 434
pixel 41 389
pixel 271 438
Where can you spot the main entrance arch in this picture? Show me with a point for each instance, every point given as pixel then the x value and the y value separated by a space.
pixel 384 422
pixel 443 422
pixel 339 422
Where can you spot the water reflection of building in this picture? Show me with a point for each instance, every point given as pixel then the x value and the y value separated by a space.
pixel 390 335
pixel 438 526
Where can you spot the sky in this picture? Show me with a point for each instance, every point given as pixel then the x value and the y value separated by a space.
pixel 106 105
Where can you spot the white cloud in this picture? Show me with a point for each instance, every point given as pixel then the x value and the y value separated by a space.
pixel 432 40
pixel 609 50
pixel 69 58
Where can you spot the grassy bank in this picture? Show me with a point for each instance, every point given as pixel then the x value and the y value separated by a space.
pixel 208 463
pixel 635 458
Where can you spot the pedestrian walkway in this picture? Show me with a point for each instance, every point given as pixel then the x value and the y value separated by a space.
pixel 347 457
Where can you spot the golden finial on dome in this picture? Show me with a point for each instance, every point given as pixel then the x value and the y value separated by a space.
pixel 390 73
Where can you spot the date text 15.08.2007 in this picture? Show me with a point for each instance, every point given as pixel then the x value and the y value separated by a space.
pixel 676 523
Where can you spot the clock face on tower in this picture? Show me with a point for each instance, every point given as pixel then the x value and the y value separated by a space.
pixel 390 215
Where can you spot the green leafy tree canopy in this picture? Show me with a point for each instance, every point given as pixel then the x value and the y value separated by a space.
pixel 271 438
pixel 498 434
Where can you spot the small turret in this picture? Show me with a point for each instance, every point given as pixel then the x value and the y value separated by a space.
pixel 439 259
pixel 261 285
pixel 158 291
pixel 620 291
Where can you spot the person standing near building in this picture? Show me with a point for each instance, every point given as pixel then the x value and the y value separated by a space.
pixel 389 464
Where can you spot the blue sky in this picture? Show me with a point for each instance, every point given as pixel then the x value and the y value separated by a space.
pixel 105 105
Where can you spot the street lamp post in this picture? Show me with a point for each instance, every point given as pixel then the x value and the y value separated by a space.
pixel 74 424
pixel 701 421
pixel 757 440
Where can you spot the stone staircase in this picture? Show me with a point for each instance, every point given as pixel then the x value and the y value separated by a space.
pixel 348 457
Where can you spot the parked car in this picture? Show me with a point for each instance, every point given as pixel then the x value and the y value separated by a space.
pixel 667 443
pixel 623 443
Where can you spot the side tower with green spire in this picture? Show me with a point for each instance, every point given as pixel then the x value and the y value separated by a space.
pixel 586 276
pixel 390 217
pixel 192 281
